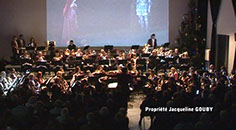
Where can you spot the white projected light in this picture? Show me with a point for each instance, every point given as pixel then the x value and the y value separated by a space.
pixel 143 9
pixel 107 22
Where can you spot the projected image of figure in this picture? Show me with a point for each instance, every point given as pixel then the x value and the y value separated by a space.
pixel 70 24
pixel 143 9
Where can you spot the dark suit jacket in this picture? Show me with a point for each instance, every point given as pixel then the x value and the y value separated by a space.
pixel 19 43
pixel 150 43
pixel 72 47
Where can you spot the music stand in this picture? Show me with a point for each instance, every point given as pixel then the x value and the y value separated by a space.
pixel 79 58
pixel 41 48
pixel 122 62
pixel 93 80
pixel 30 48
pixel 166 45
pixel 68 77
pixel 141 61
pixel 86 48
pixel 78 62
pixel 115 55
pixel 22 61
pixel 108 47
pixel 103 62
pixel 57 63
pixel 89 61
pixel 40 63
pixel 184 61
pixel 94 57
pixel 135 47
pixel 145 55
pixel 162 57
pixel 142 68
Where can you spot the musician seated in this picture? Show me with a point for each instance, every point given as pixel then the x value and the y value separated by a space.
pixel 211 69
pixel 133 51
pixel 76 74
pixel 25 55
pixel 118 52
pixel 118 70
pixel 99 70
pixel 176 53
pixel 115 72
pixel 45 54
pixel 173 73
pixel 71 45
pixel 57 56
pixel 184 55
pixel 133 60
pixel 67 52
pixel 60 81
pixel 13 73
pixel 102 55
pixel 160 52
pixel 145 49
pixel 92 53
pixel 102 51
pixel 57 86
pixel 32 43
pixel 33 83
pixel 161 80
pixel 73 53
pixel 134 71
pixel 86 55
pixel 169 54
pixel 40 57
pixel 79 53
pixel 184 77
pixel 7 80
pixel 61 52
pixel 39 78
pixel 86 77
pixel 129 56
pixel 71 57
pixel 152 76
pixel 4 84
pixel 154 53
pixel 121 56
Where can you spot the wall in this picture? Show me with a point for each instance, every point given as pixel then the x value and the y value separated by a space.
pixel 226 25
pixel 177 9
pixel 21 16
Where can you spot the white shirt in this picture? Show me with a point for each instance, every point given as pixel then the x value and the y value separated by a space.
pixel 153 41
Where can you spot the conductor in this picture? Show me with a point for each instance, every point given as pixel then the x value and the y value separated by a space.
pixel 152 42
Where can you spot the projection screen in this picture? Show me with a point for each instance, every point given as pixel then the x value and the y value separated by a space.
pixel 107 22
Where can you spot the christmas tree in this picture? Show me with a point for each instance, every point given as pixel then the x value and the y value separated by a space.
pixel 191 35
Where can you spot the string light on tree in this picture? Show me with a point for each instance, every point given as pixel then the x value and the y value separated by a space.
pixel 191 34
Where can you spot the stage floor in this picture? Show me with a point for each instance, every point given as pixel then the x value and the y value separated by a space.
pixel 134 111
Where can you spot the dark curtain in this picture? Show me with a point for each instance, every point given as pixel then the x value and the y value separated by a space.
pixel 234 5
pixel 215 7
pixel 234 67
